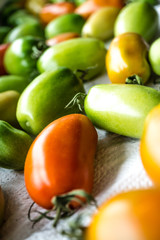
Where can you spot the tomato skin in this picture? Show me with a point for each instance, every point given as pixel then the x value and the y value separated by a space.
pixel 127 55
pixel 52 11
pixel 87 8
pixel 3 48
pixel 61 159
pixel 114 3
pixel 149 145
pixel 61 38
pixel 131 215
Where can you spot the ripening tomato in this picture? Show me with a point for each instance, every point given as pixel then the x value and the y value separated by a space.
pixel 61 38
pixel 133 215
pixel 52 11
pixel 150 144
pixel 113 3
pixel 87 8
pixel 3 48
pixel 61 159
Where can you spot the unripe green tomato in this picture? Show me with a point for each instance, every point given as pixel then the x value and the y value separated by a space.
pixel 13 82
pixel 21 56
pixel 14 145
pixel 154 56
pixel 101 23
pixel 70 22
pixel 139 17
pixel 8 106
pixel 84 54
pixel 120 108
pixel 45 98
pixel 25 29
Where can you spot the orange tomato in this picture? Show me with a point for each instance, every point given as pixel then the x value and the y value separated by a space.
pixel 61 159
pixel 127 56
pixel 52 11
pixel 150 145
pixel 113 3
pixel 133 215
pixel 87 8
pixel 61 38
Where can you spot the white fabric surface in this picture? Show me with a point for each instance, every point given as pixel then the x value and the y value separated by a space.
pixel 118 168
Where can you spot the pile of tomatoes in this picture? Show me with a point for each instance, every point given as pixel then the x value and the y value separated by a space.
pixel 48 50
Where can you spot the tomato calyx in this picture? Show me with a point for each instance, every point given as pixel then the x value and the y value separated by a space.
pixel 77 100
pixel 134 79
pixel 64 206
pixel 38 49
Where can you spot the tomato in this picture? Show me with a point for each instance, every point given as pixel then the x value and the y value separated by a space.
pixel 61 159
pixel 70 22
pixel 90 6
pixel 61 38
pixel 3 48
pixel 52 11
pixel 133 215
pixel 100 24
pixel 154 56
pixel 114 3
pixel 120 108
pixel 22 54
pixel 91 57
pixel 87 8
pixel 34 6
pixel 127 56
pixel 149 146
pixel 133 18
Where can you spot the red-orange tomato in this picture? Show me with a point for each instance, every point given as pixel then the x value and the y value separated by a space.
pixel 87 8
pixel 113 3
pixel 52 11
pixel 3 48
pixel 133 215
pixel 61 38
pixel 61 159
pixel 150 145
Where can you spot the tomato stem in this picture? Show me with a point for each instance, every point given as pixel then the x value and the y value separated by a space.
pixel 78 100
pixel 63 206
pixel 134 79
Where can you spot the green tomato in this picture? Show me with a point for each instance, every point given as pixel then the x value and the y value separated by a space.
pixel 45 98
pixel 13 82
pixel 139 17
pixel 76 2
pixel 154 56
pixel 2 205
pixel 21 17
pixel 81 54
pixel 120 108
pixel 100 25
pixel 66 23
pixel 26 29
pixel 21 56
pixel 3 32
pixel 8 106
pixel 14 145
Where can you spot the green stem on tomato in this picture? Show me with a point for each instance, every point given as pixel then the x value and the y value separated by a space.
pixel 134 79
